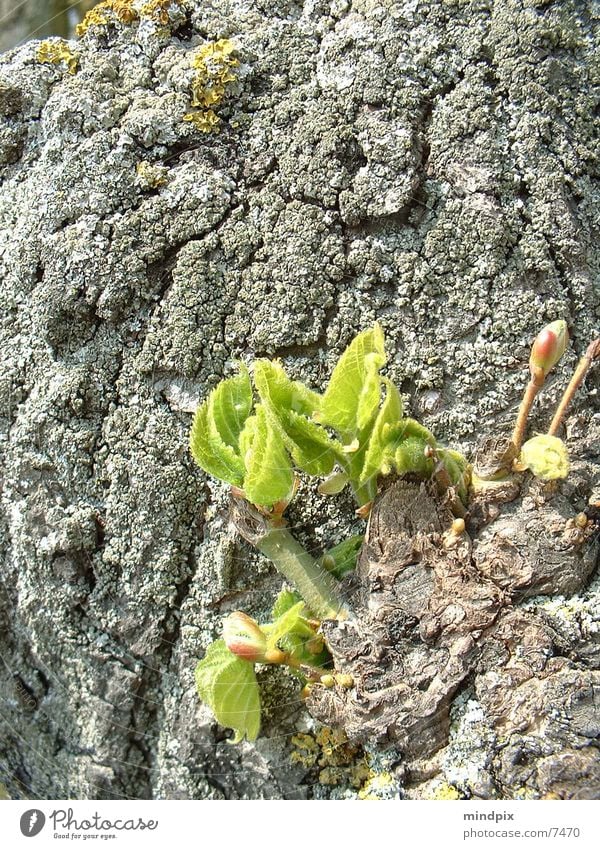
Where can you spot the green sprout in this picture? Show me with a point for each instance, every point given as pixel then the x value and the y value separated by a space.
pixel 258 435
pixel 259 432
pixel 545 454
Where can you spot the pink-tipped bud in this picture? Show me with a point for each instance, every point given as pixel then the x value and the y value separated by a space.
pixel 244 638
pixel 548 348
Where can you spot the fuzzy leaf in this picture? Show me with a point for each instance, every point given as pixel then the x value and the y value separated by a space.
pixel 410 457
pixel 334 483
pixel 209 450
pixel 288 405
pixel 269 475
pixel 228 685
pixel 352 396
pixel 342 558
pixel 230 404
pixel 385 436
pixel 283 602
pixel 284 624
pixel 276 388
pixel 457 467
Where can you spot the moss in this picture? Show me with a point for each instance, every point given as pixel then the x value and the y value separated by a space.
pixel 57 52
pixel 215 68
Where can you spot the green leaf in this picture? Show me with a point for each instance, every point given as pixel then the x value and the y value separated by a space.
pixel 302 640
pixel 410 457
pixel 288 404
pixel 457 466
pixel 229 405
pixel 209 450
pixel 283 602
pixel 352 396
pixel 228 685
pixel 342 558
pixel 386 435
pixel 284 624
pixel 277 389
pixel 218 423
pixel 269 475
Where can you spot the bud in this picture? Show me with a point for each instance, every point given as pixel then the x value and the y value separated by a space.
pixel 334 483
pixel 244 638
pixel 548 348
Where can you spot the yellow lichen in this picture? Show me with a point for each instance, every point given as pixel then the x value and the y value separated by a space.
pixel 158 11
pixel 445 791
pixel 377 787
pixel 339 762
pixel 215 66
pixel 206 121
pixel 104 12
pixel 150 176
pixel 306 750
pixel 57 51
pixel 127 12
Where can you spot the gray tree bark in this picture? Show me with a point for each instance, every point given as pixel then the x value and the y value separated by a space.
pixel 430 165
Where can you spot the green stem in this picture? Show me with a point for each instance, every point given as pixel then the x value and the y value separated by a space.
pixel 313 582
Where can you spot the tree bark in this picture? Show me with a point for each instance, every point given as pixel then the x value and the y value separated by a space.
pixel 431 166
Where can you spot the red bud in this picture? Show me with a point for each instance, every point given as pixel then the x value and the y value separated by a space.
pixel 548 348
pixel 244 638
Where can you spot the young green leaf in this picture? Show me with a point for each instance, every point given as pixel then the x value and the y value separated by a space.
pixel 289 621
pixel 288 405
pixel 228 685
pixel 386 435
pixel 457 468
pixel 211 453
pixel 283 602
pixel 546 456
pixel 342 558
pixel 230 404
pixel 269 475
pixel 277 389
pixel 352 396
pixel 219 420
pixel 410 457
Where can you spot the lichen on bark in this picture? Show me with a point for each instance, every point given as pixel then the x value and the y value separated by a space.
pixel 427 165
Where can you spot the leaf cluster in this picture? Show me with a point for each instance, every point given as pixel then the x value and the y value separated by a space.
pixel 228 684
pixel 256 438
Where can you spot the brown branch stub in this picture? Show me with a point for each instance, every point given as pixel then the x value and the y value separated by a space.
pixel 430 618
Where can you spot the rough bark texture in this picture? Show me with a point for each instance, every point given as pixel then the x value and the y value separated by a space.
pixel 435 609
pixel 428 165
